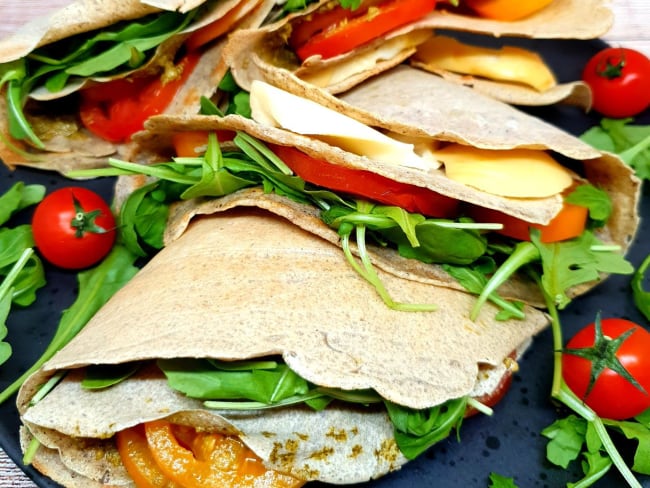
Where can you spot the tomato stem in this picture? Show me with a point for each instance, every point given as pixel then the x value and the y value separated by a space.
pixel 561 392
pixel 524 253
pixel 612 67
pixel 84 222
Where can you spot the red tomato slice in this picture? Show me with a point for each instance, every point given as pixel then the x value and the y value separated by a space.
pixel 356 30
pixel 117 109
pixel 366 184
pixel 569 223
pixel 215 29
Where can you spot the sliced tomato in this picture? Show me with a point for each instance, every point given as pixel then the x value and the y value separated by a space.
pixel 215 29
pixel 193 143
pixel 138 461
pixel 492 398
pixel 209 460
pixel 568 223
pixel 329 16
pixel 117 109
pixel 366 184
pixel 358 27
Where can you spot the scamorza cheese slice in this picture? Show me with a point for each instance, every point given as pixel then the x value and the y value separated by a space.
pixel 518 173
pixel 278 108
pixel 509 63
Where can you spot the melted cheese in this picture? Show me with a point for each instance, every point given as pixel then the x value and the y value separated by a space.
pixel 519 173
pixel 278 108
pixel 511 64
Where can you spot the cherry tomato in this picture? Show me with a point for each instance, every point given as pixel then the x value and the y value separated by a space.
pixel 117 109
pixel 568 223
pixel 73 228
pixel 366 184
pixel 204 460
pixel 619 79
pixel 508 10
pixel 341 30
pixel 611 395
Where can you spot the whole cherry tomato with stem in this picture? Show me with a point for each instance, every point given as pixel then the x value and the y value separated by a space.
pixel 607 365
pixel 619 79
pixel 73 228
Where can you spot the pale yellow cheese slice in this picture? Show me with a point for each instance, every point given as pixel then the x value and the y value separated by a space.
pixel 509 63
pixel 519 173
pixel 278 108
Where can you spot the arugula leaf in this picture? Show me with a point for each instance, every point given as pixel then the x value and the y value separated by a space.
pixel 97 377
pixel 254 385
pixel 96 286
pixel 570 263
pixel 498 481
pixel 216 180
pixel 567 437
pixel 641 297
pixel 86 55
pixel 200 379
pixel 474 278
pixel 143 216
pixel 5 307
pixel 630 142
pixel 18 197
pixel 640 433
pixel 417 430
pixel 13 241
pixel 596 200
pixel 6 298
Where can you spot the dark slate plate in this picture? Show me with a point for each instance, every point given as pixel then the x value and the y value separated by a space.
pixel 508 443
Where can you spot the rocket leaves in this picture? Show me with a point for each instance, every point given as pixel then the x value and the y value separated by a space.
pixel 262 384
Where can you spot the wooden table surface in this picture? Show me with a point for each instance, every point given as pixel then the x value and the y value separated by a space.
pixel 630 29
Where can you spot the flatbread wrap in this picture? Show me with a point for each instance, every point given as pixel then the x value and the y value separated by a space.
pixel 77 83
pixel 255 277
pixel 416 141
pixel 303 42
pixel 511 73
pixel 278 266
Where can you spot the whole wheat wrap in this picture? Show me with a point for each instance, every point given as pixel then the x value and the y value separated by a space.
pixel 68 144
pixel 256 275
pixel 425 105
pixel 253 52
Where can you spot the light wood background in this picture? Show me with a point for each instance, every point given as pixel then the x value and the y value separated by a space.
pixel 631 29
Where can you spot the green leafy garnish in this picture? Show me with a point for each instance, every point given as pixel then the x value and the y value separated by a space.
pixel 6 297
pixel 620 136
pixel 97 377
pixel 96 54
pixel 96 286
pixel 641 296
pixel 596 200
pixel 499 481
pixel 264 384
